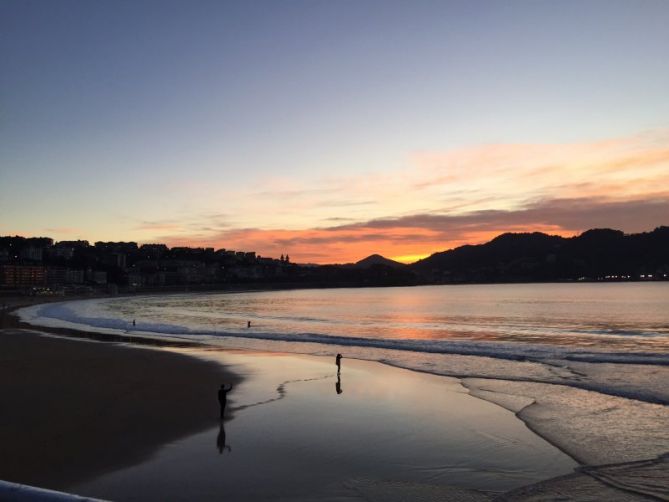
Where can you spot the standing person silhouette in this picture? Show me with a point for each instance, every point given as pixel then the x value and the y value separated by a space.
pixel 223 397
pixel 338 363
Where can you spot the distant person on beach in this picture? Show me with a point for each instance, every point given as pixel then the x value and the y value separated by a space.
pixel 133 323
pixel 223 397
pixel 248 324
pixel 338 363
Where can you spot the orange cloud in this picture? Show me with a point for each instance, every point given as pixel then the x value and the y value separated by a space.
pixel 323 245
pixel 440 200
pixel 412 237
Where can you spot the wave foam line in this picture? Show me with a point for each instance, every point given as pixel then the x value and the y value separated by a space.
pixel 42 314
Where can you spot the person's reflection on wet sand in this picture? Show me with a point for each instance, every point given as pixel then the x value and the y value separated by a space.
pixel 220 440
pixel 338 363
pixel 338 384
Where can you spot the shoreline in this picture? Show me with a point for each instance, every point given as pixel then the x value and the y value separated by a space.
pixel 533 393
pixel 148 341
pixel 584 375
pixel 522 398
pixel 73 409
pixel 292 422
pixel 584 371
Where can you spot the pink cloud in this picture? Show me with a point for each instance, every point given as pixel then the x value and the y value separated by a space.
pixel 444 199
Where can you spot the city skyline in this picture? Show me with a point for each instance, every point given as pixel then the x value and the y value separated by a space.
pixel 330 131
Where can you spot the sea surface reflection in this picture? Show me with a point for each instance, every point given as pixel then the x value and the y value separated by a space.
pixel 294 438
pixel 613 317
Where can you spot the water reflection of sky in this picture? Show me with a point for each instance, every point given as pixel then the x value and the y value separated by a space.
pixel 309 440
pixel 611 316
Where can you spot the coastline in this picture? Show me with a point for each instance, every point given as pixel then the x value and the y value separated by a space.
pixel 300 433
pixel 523 397
pixel 636 375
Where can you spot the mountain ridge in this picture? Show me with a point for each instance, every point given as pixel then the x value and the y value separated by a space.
pixel 537 256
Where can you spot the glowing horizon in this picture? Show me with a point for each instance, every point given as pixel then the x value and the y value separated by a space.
pixel 332 132
pixel 630 195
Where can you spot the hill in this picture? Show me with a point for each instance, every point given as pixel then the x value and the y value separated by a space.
pixel 521 257
pixel 376 260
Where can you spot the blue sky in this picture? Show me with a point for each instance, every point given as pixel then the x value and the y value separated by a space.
pixel 154 120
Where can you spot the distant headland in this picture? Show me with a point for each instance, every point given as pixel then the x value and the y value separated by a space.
pixel 38 265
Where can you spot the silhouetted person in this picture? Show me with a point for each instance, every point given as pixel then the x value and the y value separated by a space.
pixel 133 323
pixel 220 440
pixel 338 384
pixel 223 398
pixel 248 324
pixel 338 363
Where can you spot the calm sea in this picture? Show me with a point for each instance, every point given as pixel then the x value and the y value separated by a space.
pixel 620 321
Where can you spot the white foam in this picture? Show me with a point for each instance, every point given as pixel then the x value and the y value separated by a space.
pixel 86 315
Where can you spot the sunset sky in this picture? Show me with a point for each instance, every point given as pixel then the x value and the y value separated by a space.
pixel 330 130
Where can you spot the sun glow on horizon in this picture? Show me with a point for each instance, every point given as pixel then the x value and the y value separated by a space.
pixel 409 259
pixel 437 202
pixel 280 129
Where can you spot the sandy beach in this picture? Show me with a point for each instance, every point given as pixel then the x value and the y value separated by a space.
pixel 301 431
pixel 100 417
pixel 72 409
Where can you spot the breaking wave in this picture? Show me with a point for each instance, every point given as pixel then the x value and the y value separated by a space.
pixel 89 315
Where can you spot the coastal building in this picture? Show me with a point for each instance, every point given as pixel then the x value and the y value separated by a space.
pixel 117 260
pixel 96 276
pixel 32 253
pixel 116 247
pixel 153 251
pixel 74 276
pixel 134 278
pixel 64 252
pixel 55 276
pixel 22 276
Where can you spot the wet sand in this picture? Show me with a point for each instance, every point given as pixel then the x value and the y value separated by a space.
pixel 73 409
pixel 302 432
